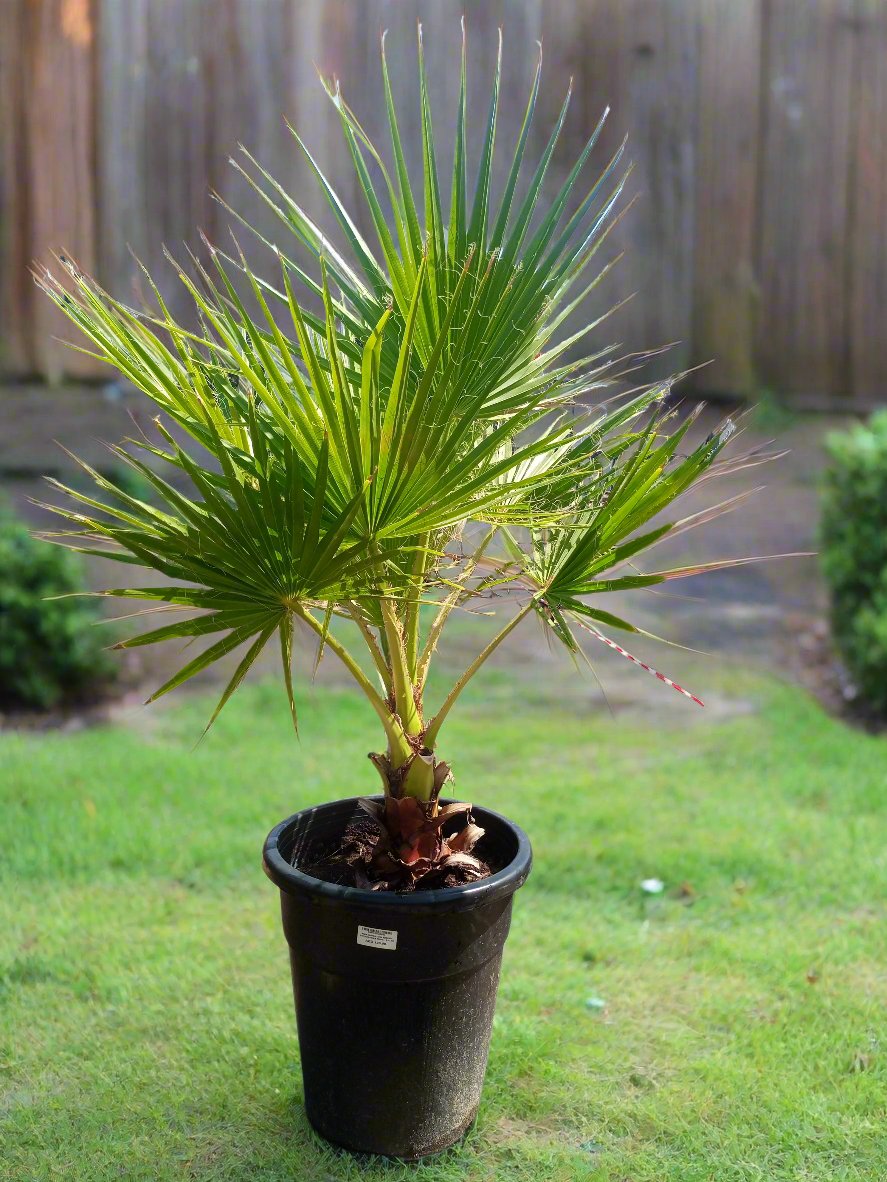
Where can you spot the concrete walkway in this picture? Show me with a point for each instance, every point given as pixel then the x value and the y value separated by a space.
pixel 757 613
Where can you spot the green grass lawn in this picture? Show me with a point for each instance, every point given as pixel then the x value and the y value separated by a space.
pixel 146 1026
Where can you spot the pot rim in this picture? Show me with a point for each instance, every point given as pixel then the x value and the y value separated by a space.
pixel 459 898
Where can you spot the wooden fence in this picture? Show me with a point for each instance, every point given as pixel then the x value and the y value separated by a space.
pixel 758 129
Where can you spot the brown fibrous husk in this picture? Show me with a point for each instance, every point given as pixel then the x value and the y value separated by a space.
pixel 402 845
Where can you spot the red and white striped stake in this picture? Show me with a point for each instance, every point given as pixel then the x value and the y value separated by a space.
pixel 619 649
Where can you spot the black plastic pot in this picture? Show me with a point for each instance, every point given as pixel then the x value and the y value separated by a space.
pixel 394 993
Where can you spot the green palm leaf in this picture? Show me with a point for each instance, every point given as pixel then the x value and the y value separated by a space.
pixel 329 431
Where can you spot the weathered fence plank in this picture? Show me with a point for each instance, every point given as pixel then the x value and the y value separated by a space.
pixel 158 151
pixel 252 71
pixel 642 60
pixel 184 84
pixel 16 289
pixel 803 241
pixel 867 260
pixel 49 193
pixel 724 296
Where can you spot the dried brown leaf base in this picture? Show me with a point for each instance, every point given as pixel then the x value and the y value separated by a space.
pixel 400 846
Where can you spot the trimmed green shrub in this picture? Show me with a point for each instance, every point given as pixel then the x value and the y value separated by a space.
pixel 50 653
pixel 854 553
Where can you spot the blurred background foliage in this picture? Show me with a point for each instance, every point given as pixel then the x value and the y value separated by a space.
pixel 854 553
pixel 49 652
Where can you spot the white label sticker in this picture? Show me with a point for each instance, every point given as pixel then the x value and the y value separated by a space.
pixel 376 937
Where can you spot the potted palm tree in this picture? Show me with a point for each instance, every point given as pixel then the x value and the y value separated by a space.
pixel 356 448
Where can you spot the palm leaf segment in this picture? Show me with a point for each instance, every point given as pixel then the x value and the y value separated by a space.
pixel 367 408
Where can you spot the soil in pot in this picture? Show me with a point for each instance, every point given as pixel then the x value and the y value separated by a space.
pixel 348 859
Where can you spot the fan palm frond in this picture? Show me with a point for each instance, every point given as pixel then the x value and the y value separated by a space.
pixel 338 425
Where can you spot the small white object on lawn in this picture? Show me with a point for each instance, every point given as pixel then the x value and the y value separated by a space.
pixel 652 886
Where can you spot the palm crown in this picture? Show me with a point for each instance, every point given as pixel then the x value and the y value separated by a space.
pixel 356 413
